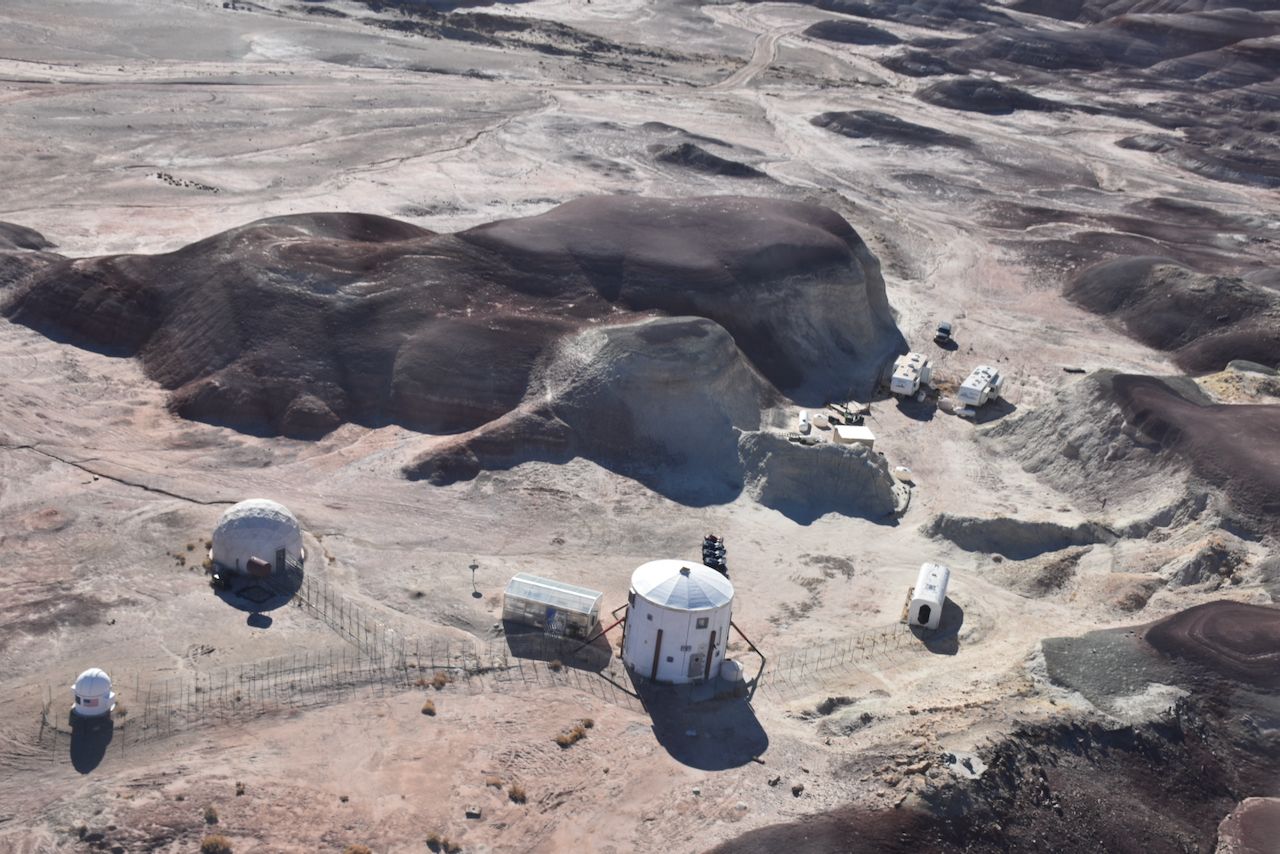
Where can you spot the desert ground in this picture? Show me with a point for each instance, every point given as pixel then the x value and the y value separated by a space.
pixel 1088 194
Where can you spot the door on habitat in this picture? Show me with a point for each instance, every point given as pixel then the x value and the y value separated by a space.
pixel 697 663
pixel 556 621
pixel 281 556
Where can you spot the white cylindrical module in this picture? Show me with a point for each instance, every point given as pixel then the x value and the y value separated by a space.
pixel 929 595
pixel 93 694
pixel 677 622
pixel 257 528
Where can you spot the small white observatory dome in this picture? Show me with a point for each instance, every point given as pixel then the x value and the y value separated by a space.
pixel 93 694
pixel 678 621
pixel 257 528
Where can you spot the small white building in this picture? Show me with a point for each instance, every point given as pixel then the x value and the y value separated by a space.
pixel 984 384
pixel 853 434
pixel 928 596
pixel 910 372
pixel 556 607
pixel 678 621
pixel 94 697
pixel 257 529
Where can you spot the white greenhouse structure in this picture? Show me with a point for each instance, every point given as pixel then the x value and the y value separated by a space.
pixel 94 697
pixel 678 620
pixel 928 596
pixel 258 536
pixel 556 607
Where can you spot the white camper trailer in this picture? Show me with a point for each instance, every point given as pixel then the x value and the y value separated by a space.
pixel 928 596
pixel 984 384
pixel 910 373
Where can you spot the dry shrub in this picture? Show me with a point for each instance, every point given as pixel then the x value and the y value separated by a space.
pixel 215 845
pixel 421 682
pixel 572 736
pixel 436 842
pixel 517 794
pixel 493 782
pixel 191 547
pixel 210 815
pixel 239 789
pixel 121 710
pixel 588 723
pixel 556 664
pixel 440 679
pixel 357 849
pixel 429 708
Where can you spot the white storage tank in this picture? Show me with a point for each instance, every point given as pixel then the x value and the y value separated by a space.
pixel 929 595
pixel 257 528
pixel 94 697
pixel 677 622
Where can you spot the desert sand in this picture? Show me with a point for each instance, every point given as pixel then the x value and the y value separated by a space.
pixel 543 287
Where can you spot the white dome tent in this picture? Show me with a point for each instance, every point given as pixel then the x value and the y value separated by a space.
pixel 678 621
pixel 94 697
pixel 257 528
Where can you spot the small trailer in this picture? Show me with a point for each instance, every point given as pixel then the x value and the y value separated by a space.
pixel 910 373
pixel 983 385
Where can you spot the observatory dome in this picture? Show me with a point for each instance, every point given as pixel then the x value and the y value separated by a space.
pixel 93 693
pixel 681 585
pixel 257 528
pixel 678 619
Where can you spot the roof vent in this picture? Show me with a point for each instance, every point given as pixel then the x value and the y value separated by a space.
pixel 684 570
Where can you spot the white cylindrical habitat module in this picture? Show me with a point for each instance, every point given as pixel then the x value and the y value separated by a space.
pixel 257 528
pixel 929 595
pixel 93 694
pixel 677 621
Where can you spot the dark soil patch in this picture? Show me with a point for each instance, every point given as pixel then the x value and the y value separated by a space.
pixel 872 124
pixel 984 96
pixel 1236 640
pixel 692 157
pixel 850 32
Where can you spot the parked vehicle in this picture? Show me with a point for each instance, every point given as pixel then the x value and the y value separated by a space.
pixel 983 385
pixel 910 373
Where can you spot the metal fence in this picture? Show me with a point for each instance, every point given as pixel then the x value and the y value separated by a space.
pixel 383 660
pixel 158 708
pixel 816 664
pixel 351 622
